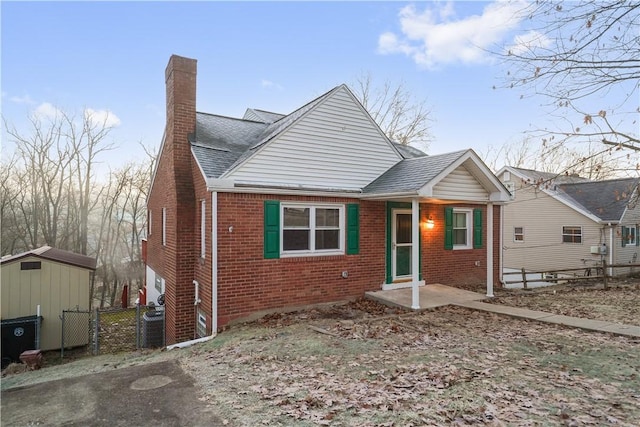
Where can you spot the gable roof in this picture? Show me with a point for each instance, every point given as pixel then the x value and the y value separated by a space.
pixel 607 200
pixel 54 254
pixel 225 147
pixel 412 174
pixel 602 201
pixel 220 141
pixel 419 176
pixel 221 144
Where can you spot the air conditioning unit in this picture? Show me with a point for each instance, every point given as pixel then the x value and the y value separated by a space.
pixel 599 250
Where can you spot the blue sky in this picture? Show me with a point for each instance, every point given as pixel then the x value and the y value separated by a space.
pixel 111 56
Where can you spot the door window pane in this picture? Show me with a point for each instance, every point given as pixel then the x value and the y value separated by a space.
pixel 403 228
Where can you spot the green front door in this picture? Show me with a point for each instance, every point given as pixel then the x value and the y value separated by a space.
pixel 401 244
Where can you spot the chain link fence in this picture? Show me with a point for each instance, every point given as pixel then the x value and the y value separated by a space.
pixel 112 330
pixel 128 329
pixel 77 332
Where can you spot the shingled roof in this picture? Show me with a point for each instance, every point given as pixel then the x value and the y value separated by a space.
pixel 605 199
pixel 54 254
pixel 220 143
pixel 412 174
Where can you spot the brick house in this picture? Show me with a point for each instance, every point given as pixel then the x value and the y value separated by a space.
pixel 275 211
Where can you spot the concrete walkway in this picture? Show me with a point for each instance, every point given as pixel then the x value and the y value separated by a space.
pixel 432 296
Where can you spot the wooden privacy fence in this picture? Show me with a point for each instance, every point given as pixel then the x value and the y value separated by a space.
pixel 599 271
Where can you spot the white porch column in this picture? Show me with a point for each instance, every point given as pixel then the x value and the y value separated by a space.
pixel 490 249
pixel 415 254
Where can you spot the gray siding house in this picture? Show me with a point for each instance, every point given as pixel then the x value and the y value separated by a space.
pixel 557 221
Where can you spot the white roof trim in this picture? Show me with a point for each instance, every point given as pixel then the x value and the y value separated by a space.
pixel 497 191
pixel 550 193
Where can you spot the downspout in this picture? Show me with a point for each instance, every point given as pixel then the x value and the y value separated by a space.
pixel 490 249
pixel 501 246
pixel 214 279
pixel 611 248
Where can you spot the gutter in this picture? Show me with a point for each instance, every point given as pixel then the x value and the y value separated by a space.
pixel 214 279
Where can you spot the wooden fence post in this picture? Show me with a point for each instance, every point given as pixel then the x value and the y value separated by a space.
pixel 524 278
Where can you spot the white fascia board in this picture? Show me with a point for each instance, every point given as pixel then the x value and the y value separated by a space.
pixel 286 191
pixel 219 184
pixel 388 196
pixel 498 197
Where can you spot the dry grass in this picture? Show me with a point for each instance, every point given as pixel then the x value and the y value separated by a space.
pixel 377 367
pixel 620 303
pixel 450 366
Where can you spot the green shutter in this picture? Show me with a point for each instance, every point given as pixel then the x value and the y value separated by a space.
pixel 477 228
pixel 625 233
pixel 271 229
pixel 637 237
pixel 448 228
pixel 353 229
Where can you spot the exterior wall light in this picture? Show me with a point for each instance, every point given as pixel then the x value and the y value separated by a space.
pixel 430 223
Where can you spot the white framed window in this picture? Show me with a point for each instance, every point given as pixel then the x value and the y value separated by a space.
pixel 203 228
pixel 571 234
pixel 164 226
pixel 149 222
pixel 462 229
pixel 518 234
pixel 311 229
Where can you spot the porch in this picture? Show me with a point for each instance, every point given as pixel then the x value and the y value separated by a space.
pixel 430 296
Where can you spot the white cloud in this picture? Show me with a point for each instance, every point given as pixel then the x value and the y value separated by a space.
pixel 26 99
pixel 47 110
pixel 436 37
pixel 269 84
pixel 529 41
pixel 101 117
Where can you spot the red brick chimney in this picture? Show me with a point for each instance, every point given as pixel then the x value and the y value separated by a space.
pixel 181 249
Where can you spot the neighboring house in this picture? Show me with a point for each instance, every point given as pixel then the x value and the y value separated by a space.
pixel 275 211
pixel 51 278
pixel 560 221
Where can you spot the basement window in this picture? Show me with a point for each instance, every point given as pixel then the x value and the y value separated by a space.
pixel 30 265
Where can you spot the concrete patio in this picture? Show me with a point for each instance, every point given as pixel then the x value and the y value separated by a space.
pixel 431 296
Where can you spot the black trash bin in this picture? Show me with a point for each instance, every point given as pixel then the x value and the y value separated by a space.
pixel 153 329
pixel 18 335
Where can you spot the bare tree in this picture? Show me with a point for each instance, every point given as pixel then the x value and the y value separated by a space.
pixel 592 161
pixel 403 119
pixel 577 54
pixel 55 160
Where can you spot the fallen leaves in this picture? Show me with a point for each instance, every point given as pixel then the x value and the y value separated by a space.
pixel 450 366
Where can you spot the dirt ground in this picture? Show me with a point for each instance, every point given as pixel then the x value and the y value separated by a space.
pixel 363 364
